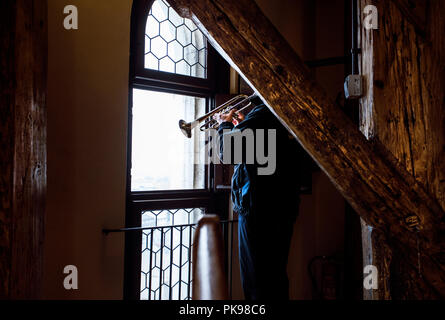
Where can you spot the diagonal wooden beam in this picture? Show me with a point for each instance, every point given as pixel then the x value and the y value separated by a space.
pixel 383 193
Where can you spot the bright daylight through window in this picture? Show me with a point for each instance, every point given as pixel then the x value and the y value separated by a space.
pixel 162 158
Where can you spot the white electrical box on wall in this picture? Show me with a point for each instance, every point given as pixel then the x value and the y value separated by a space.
pixel 353 86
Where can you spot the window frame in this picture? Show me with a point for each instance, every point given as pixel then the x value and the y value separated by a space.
pixel 146 79
pixel 171 82
pixel 139 201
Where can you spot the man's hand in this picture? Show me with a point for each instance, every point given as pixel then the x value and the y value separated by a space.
pixel 233 116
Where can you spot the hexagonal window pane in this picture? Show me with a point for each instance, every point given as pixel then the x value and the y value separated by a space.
pixel 185 238
pixel 175 18
pixel 147 44
pixel 166 259
pixel 143 280
pixel 159 10
pixel 151 62
pixel 175 275
pixel 144 240
pixel 159 47
pixel 165 292
pixel 144 294
pixel 198 40
pixel 182 217
pixel 157 259
pixel 148 218
pixel 175 291
pixel 183 68
pixel 156 240
pixel 155 295
pixel 175 51
pixel 185 272
pixel 165 217
pixel 152 27
pixel 168 31
pixel 167 238
pixel 185 252
pixel 166 276
pixel 191 55
pixel 184 290
pixel 177 257
pixel 183 35
pixel 145 263
pixel 176 238
pixel 198 71
pixel 203 57
pixel 155 278
pixel 189 23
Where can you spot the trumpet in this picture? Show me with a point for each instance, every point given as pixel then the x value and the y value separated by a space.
pixel 238 102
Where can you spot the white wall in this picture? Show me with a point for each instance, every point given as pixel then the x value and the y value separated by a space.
pixel 87 127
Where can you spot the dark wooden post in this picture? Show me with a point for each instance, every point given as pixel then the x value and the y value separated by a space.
pixel 209 277
pixel 367 175
pixel 403 63
pixel 23 59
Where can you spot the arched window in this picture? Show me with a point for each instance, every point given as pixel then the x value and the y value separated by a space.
pixel 172 77
pixel 171 80
pixel 174 44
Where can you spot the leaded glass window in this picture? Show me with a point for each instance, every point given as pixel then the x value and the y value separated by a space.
pixel 174 44
pixel 172 77
pixel 166 257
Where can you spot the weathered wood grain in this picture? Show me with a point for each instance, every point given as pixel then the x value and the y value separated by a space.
pixel 404 109
pixel 366 174
pixel 23 146
pixel 414 13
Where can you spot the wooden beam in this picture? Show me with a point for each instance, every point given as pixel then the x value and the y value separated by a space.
pixel 209 278
pixel 404 108
pixel 367 175
pixel 23 59
pixel 408 12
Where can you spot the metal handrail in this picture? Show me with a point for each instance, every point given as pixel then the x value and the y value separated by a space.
pixel 131 229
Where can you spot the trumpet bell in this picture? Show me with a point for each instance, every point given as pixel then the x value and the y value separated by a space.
pixel 186 128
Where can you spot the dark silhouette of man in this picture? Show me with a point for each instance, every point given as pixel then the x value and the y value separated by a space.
pixel 267 205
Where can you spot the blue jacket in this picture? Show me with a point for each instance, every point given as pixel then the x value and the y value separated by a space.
pixel 279 191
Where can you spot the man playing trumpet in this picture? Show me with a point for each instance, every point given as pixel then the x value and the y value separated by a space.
pixel 267 204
